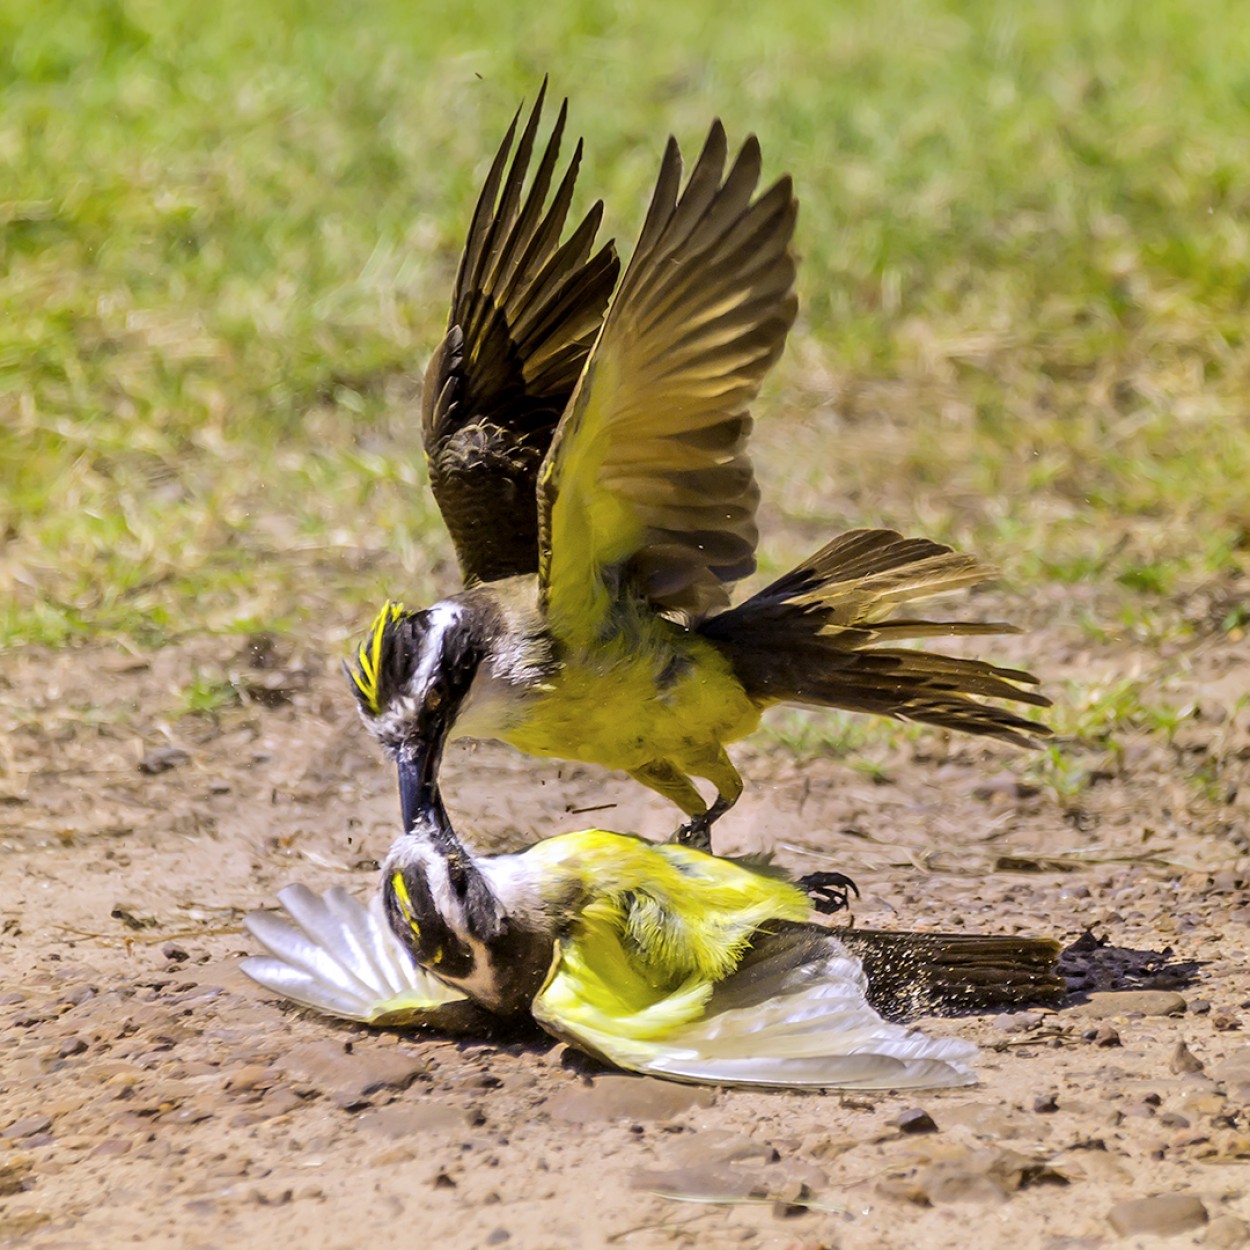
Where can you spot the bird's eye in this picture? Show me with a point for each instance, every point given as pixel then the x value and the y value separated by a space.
pixel 437 957
pixel 434 699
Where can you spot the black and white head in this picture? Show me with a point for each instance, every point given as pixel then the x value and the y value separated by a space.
pixel 438 902
pixel 443 904
pixel 411 675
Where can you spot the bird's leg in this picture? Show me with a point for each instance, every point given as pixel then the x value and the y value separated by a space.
pixel 719 770
pixel 829 891
pixel 697 831
pixel 675 786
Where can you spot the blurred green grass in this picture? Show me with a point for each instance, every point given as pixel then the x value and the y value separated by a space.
pixel 227 235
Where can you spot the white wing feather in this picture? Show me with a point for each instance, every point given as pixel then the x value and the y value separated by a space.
pixel 815 1028
pixel 334 955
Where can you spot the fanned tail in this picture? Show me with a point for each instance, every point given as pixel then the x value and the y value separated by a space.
pixel 823 635
pixel 917 974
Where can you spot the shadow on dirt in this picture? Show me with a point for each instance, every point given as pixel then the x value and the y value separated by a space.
pixel 1092 964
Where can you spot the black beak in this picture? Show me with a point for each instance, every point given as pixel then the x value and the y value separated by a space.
pixel 419 799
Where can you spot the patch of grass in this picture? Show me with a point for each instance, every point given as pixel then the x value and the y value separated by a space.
pixel 808 735
pixel 1151 579
pixel 1063 773
pixel 1096 713
pixel 1211 784
pixel 1235 620
pixel 206 696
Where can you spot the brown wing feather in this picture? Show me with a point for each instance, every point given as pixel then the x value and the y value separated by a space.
pixel 525 311
pixel 647 486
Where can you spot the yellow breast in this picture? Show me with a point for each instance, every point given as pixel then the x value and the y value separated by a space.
pixel 660 694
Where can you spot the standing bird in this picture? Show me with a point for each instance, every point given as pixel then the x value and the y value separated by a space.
pixel 659 959
pixel 593 473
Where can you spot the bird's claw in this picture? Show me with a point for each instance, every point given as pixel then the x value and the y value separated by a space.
pixel 829 891
pixel 696 833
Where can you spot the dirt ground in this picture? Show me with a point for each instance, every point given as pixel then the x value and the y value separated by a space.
pixel 150 1096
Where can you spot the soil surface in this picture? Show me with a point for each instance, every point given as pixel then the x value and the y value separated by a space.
pixel 150 1096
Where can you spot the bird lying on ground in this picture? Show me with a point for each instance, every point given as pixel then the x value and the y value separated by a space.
pixel 656 958
pixel 592 469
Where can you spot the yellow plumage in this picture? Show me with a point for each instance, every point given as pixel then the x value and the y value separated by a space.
pixel 675 912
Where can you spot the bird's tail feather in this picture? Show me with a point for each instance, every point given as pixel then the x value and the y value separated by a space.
pixel 823 635
pixel 917 974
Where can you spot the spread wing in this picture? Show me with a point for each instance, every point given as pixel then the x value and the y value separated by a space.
pixel 330 953
pixel 525 311
pixel 647 485
pixel 792 1014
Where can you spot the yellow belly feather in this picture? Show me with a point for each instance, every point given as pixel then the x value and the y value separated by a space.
pixel 656 693
pixel 658 926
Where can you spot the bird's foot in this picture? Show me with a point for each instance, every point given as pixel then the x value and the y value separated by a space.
pixel 829 891
pixel 696 832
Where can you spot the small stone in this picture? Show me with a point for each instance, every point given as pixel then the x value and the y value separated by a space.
pixel 28 1127
pixel 915 1120
pixel 400 1122
pixel 1225 1023
pixel 175 953
pixel 636 1098
pixel 1164 1215
pixel 162 759
pixel 1107 1004
pixel 14 1178
pixel 497 1236
pixel 347 1078
pixel 1225 1147
pixel 1226 1232
pixel 249 1077
pixel 1046 1104
pixel 281 1100
pixel 707 1182
pixel 1235 1070
pixel 71 1046
pixel 1017 1022
pixel 1105 1037
pixel 792 1200
pixel 718 1146
pixel 1184 1061
pixel 1203 1102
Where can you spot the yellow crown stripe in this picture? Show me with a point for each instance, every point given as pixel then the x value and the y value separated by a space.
pixel 369 656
